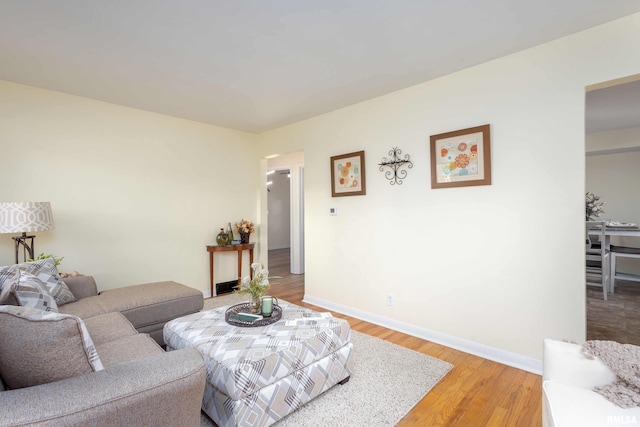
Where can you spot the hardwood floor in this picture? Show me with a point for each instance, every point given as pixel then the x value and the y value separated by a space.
pixel 618 318
pixel 476 392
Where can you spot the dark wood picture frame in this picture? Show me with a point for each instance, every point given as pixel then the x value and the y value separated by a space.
pixel 461 158
pixel 348 175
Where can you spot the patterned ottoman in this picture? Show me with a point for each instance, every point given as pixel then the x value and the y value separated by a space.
pixel 257 375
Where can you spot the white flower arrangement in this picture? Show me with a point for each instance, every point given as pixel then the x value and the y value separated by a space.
pixel 258 284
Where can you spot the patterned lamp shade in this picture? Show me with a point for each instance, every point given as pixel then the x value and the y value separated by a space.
pixel 21 217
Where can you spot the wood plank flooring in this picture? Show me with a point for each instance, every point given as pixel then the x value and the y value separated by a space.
pixel 476 392
pixel 618 318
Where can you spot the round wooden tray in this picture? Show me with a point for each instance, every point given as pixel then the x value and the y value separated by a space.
pixel 244 308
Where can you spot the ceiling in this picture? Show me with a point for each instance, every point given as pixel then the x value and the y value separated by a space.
pixel 255 65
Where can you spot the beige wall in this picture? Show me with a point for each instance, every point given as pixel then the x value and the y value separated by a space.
pixel 492 270
pixel 136 196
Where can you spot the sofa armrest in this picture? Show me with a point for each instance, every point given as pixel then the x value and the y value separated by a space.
pixel 565 405
pixel 164 389
pixel 81 286
pixel 565 363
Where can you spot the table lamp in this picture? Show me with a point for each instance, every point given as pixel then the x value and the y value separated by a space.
pixel 25 217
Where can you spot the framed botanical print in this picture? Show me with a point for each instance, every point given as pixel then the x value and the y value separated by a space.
pixel 461 158
pixel 347 175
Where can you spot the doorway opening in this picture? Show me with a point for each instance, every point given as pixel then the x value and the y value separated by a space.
pixel 279 208
pixel 612 153
pixel 285 210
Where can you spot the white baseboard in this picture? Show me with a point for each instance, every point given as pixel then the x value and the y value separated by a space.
pixel 501 356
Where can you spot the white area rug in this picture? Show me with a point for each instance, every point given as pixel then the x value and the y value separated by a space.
pixel 388 381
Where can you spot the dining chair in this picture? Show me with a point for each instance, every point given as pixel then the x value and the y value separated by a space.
pixel 598 258
pixel 622 252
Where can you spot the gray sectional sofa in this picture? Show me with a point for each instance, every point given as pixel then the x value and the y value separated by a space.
pixel 148 307
pixel 99 360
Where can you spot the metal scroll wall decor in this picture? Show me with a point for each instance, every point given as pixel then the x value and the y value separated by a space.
pixel 396 162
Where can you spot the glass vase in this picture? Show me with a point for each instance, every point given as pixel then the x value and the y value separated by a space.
pixel 255 305
pixel 222 238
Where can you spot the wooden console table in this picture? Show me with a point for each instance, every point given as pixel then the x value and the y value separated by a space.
pixel 238 248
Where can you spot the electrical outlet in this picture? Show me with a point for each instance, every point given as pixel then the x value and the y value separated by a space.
pixel 390 300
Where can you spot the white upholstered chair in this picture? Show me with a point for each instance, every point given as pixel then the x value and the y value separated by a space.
pixel 598 258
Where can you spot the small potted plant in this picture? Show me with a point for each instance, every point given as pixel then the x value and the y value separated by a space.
pixel 594 207
pixel 57 259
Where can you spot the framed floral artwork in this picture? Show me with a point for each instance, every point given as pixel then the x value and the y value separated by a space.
pixel 347 175
pixel 461 158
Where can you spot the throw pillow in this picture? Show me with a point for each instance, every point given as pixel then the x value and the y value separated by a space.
pixel 29 291
pixel 39 347
pixel 8 277
pixel 47 272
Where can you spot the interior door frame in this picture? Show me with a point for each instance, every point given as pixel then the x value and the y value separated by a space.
pixel 296 194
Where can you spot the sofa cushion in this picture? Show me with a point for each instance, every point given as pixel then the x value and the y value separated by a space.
pixel 153 303
pixel 81 286
pixel 128 349
pixel 41 346
pixel 109 327
pixel 86 307
pixel 150 304
pixel 47 272
pixel 29 291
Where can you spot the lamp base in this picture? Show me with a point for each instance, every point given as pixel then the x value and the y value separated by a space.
pixel 26 247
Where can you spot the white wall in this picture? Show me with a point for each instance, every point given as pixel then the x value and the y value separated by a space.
pixel 612 172
pixel 136 196
pixel 614 175
pixel 279 205
pixel 620 140
pixel 492 269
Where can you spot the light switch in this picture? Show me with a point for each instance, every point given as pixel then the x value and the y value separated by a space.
pixel 333 210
